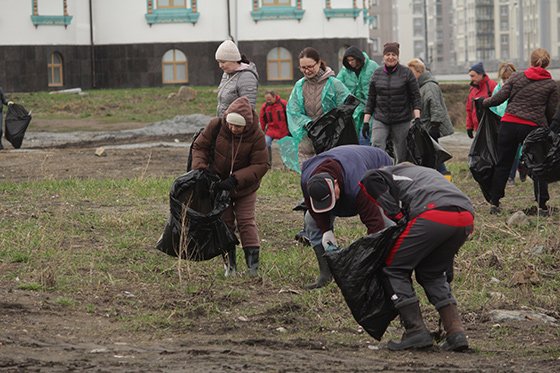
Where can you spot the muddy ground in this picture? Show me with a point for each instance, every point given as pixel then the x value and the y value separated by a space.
pixel 37 334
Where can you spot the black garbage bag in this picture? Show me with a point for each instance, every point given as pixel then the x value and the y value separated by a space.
pixel 334 128
pixel 541 154
pixel 357 271
pixel 483 154
pixel 195 229
pixel 423 150
pixel 17 121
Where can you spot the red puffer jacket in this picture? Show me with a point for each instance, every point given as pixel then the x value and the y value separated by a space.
pixel 273 119
pixel 484 89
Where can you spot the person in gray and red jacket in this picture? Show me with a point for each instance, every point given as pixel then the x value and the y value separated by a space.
pixel 240 159
pixel 439 218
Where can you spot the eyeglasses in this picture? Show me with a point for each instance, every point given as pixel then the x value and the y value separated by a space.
pixel 307 68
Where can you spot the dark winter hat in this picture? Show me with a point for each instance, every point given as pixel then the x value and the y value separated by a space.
pixel 321 192
pixel 391 47
pixel 375 183
pixel 478 68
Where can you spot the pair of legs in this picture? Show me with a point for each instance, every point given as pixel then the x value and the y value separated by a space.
pixel 241 215
pixel 398 132
pixel 427 248
pixel 268 140
pixel 434 133
pixel 510 137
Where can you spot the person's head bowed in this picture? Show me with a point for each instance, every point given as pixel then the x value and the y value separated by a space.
pixel 310 62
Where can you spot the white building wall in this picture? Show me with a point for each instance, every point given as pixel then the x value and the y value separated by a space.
pixel 16 27
pixel 404 30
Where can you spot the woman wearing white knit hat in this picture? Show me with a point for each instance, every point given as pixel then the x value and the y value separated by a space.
pixel 240 76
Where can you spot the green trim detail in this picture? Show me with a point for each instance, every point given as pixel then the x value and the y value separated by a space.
pixel 367 18
pixel 342 12
pixel 181 15
pixel 51 20
pixel 277 12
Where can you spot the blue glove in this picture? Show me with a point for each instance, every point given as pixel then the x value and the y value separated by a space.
pixel 331 248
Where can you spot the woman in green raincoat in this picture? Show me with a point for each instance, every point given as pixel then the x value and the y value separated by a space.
pixel 318 92
pixel 355 74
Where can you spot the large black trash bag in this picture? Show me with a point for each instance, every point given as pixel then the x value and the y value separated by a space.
pixel 17 121
pixel 541 154
pixel 483 155
pixel 334 128
pixel 423 150
pixel 195 229
pixel 357 271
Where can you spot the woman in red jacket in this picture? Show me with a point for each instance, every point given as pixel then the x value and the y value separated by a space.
pixel 273 120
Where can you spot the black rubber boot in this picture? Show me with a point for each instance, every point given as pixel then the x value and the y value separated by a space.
pixel 270 157
pixel 230 262
pixel 325 275
pixel 416 335
pixel 455 338
pixel 252 259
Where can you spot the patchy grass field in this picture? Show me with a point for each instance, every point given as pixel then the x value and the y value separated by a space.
pixel 81 285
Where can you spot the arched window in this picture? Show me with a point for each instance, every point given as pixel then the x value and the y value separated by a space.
pixel 56 78
pixel 279 64
pixel 175 68
pixel 341 57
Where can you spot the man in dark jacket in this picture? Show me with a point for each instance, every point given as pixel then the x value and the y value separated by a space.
pixel 439 219
pixel 3 101
pixel 329 182
pixel 394 99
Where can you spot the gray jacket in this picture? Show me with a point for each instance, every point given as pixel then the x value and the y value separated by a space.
pixel 407 189
pixel 243 82
pixel 434 110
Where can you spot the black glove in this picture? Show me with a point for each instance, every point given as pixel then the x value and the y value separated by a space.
pixel 227 184
pixel 470 133
pixel 416 122
pixel 365 130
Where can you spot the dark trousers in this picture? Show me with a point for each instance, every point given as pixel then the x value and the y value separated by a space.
pixel 510 136
pixel 428 248
pixel 434 133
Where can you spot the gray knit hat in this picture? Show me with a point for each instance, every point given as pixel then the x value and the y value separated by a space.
pixel 227 51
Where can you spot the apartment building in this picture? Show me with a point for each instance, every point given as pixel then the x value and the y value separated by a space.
pixel 56 44
pixel 381 27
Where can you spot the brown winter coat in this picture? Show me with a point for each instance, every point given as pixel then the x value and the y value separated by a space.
pixel 532 99
pixel 248 150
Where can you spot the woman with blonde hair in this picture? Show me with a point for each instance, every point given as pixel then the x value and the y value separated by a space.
pixel 533 97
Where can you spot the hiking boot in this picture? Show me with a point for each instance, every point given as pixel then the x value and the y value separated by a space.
pixel 416 335
pixel 511 181
pixel 455 338
pixel 325 275
pixel 230 263
pixel 495 210
pixel 252 259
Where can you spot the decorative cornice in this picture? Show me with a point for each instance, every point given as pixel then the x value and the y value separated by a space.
pixel 277 12
pixel 51 20
pixel 342 12
pixel 172 16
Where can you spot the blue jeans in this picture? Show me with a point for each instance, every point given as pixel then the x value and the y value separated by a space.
pixel 268 140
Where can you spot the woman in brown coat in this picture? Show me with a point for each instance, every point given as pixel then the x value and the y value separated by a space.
pixel 241 160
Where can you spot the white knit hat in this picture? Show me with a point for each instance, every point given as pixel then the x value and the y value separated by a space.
pixel 236 119
pixel 227 51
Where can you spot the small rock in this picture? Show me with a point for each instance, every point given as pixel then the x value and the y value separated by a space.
pixel 176 140
pixel 518 219
pixel 372 347
pixel 243 318
pixel 538 250
pixel 100 152
pixel 171 95
pixel 494 280
pixel 281 329
pixel 520 315
pixel 186 93
pixel 99 351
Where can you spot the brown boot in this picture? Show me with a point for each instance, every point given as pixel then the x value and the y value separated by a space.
pixel 455 338
pixel 416 334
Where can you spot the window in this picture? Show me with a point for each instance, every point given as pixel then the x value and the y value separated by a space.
pixel 375 45
pixel 171 4
pixel 56 79
pixel 504 46
pixel 174 67
pixel 276 3
pixel 279 64
pixel 374 24
pixel 341 57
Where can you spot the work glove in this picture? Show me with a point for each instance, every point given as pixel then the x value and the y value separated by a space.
pixel 227 184
pixel 416 122
pixel 470 133
pixel 328 240
pixel 365 130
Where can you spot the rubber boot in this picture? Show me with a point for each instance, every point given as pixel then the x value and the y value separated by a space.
pixel 270 157
pixel 455 338
pixel 416 335
pixel 252 259
pixel 230 263
pixel 325 275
